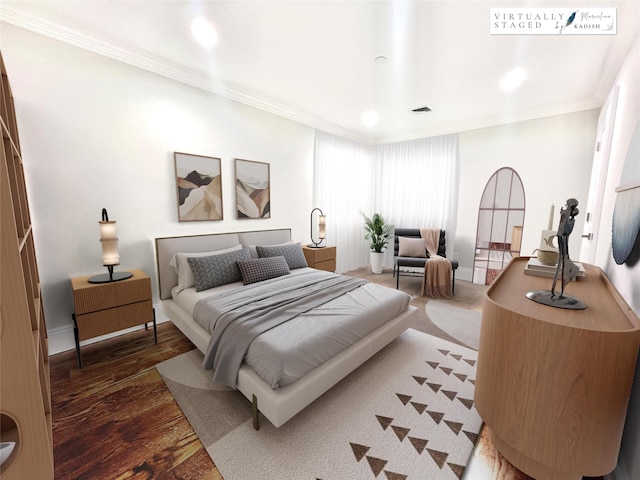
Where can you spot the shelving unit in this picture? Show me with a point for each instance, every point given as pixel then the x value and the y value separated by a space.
pixel 25 392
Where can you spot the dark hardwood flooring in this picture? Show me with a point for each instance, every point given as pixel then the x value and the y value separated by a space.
pixel 116 419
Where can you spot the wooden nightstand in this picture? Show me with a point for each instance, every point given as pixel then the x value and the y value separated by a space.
pixel 102 308
pixel 323 258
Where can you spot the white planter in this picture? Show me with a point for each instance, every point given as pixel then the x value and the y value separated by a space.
pixel 377 259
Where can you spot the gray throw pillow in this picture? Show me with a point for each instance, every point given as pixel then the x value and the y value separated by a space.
pixel 259 269
pixel 292 254
pixel 411 247
pixel 216 270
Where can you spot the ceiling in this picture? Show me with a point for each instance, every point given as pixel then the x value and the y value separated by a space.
pixel 314 61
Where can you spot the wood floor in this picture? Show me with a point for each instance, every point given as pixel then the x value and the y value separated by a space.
pixel 116 419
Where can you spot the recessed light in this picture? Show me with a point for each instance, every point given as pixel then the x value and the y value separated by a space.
pixel 204 33
pixel 380 59
pixel 513 79
pixel 370 118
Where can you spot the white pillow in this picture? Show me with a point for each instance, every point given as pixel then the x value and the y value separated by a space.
pixel 181 265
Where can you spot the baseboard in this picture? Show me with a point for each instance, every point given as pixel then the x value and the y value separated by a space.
pixel 61 339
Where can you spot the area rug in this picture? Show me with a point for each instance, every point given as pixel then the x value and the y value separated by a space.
pixel 461 323
pixel 407 413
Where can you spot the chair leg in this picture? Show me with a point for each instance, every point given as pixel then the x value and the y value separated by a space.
pixel 453 284
pixel 398 279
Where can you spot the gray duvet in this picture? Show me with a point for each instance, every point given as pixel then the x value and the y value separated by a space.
pixel 285 327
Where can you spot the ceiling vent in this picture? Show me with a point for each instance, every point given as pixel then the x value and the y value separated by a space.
pixel 421 110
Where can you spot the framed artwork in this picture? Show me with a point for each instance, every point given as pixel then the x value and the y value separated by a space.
pixel 252 189
pixel 199 187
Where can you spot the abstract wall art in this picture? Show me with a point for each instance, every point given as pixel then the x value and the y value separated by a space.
pixel 199 187
pixel 252 189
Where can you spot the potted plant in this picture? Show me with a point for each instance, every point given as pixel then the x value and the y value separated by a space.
pixel 378 233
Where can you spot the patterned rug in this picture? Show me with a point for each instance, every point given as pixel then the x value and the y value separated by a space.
pixel 407 413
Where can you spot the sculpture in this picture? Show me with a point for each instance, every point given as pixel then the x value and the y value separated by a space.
pixel 566 269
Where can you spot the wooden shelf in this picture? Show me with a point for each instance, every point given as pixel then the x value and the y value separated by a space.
pixel 25 389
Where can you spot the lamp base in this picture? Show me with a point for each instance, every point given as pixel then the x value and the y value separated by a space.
pixel 313 245
pixel 108 277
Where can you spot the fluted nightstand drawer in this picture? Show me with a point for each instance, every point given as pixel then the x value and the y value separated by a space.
pixel 323 258
pixel 102 308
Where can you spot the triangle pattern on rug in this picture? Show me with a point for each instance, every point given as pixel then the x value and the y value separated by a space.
pixel 450 394
pixel 457 469
pixel 420 407
pixel 434 386
pixel 418 443
pixel 384 421
pixel 359 450
pixel 438 457
pixel 420 380
pixel 348 430
pixel 394 476
pixel 454 426
pixel 400 432
pixel 376 464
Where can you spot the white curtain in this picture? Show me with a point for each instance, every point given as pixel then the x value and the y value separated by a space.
pixel 343 180
pixel 411 184
pixel 417 185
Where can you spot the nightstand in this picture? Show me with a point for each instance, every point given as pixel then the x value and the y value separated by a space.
pixel 102 308
pixel 323 258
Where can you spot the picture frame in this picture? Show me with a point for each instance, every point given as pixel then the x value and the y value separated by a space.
pixel 253 189
pixel 198 187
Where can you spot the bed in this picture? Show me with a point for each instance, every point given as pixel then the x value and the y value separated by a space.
pixel 278 404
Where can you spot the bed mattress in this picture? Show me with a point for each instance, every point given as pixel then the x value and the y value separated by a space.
pixel 289 351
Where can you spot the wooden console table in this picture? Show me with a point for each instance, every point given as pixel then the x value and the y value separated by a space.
pixel 553 385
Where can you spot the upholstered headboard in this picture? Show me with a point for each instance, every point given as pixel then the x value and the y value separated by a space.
pixel 166 247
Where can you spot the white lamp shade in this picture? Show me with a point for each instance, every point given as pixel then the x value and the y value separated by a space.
pixel 109 240
pixel 321 226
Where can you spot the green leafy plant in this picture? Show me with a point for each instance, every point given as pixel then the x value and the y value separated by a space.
pixel 377 232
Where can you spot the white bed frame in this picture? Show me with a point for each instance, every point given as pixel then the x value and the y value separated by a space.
pixel 277 405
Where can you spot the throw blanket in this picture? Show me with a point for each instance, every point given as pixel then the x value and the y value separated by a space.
pixel 436 282
pixel 238 317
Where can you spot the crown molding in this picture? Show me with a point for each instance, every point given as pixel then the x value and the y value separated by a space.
pixel 161 67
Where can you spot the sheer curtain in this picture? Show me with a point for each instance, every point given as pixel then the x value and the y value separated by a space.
pixel 343 181
pixel 416 185
pixel 411 184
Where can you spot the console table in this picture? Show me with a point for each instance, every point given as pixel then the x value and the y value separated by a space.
pixel 553 385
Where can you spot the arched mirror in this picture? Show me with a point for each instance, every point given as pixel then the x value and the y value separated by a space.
pixel 500 221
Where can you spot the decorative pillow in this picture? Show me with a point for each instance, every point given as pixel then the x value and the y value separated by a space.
pixel 216 270
pixel 254 251
pixel 292 254
pixel 411 247
pixel 259 269
pixel 183 269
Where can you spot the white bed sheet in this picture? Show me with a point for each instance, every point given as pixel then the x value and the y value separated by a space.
pixel 298 338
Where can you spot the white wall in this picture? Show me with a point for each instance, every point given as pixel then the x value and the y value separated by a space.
pixel 626 278
pixel 553 157
pixel 97 133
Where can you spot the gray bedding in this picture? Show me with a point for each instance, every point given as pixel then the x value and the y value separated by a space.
pixel 285 327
